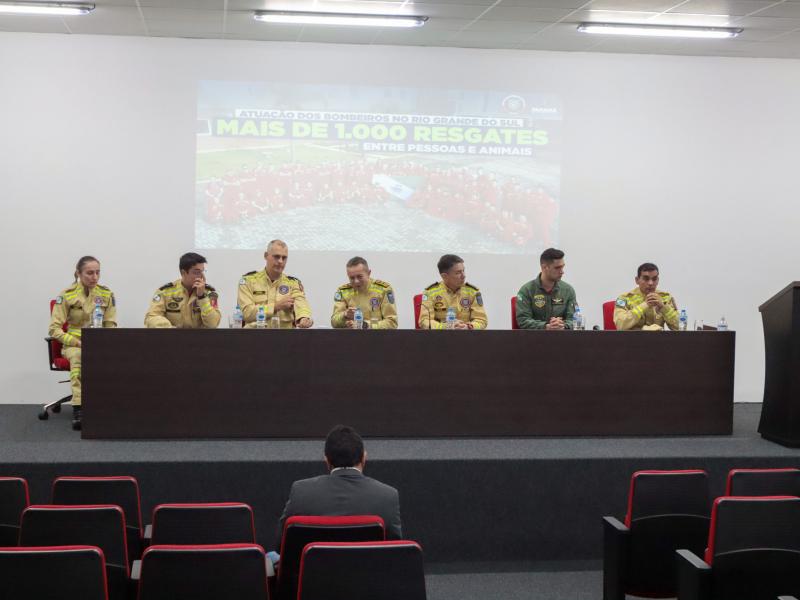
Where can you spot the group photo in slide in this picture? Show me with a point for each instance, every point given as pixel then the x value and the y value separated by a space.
pixel 386 169
pixel 400 300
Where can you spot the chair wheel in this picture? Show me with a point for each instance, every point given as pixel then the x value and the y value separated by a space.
pixel 43 416
pixel 57 408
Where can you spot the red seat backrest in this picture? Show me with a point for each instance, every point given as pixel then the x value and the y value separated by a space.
pixel 608 315
pixel 417 305
pixel 58 362
pixel 514 324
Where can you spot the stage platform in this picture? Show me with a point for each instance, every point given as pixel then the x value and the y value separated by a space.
pixel 528 511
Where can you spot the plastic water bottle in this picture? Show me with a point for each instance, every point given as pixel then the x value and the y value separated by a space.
pixel 358 319
pixel 261 318
pixel 577 319
pixel 238 319
pixel 723 324
pixel 97 317
pixel 450 320
pixel 683 321
pixel 275 322
pixel 373 321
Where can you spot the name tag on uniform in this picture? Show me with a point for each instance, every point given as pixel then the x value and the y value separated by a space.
pixel 258 292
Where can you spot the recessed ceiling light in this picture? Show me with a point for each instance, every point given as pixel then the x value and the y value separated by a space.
pixel 345 19
pixel 45 8
pixel 659 30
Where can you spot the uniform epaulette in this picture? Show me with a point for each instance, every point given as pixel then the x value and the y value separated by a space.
pixel 166 286
pixel 470 286
pixel 292 278
pixel 210 288
pixel 250 273
pixel 102 287
pixel 380 283
pixel 345 286
pixel 431 286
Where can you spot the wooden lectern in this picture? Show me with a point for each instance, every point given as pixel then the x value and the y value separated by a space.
pixel 780 413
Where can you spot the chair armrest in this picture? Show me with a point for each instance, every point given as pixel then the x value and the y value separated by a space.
pixel 616 544
pixel 148 534
pixel 694 576
pixel 136 570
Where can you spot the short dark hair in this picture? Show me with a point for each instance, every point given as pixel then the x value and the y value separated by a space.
pixel 344 447
pixel 646 267
pixel 357 260
pixel 550 255
pixel 447 262
pixel 189 260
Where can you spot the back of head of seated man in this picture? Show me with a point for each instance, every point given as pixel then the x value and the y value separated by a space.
pixel 344 490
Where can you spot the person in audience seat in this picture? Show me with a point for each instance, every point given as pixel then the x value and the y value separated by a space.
pixel 345 490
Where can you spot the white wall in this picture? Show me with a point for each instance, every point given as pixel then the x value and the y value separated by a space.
pixel 687 161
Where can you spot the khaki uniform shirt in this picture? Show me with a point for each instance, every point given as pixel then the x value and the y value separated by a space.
pixel 632 312
pixel 376 303
pixel 75 307
pixel 467 301
pixel 257 289
pixel 175 306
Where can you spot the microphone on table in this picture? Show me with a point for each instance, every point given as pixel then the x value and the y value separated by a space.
pixel 596 328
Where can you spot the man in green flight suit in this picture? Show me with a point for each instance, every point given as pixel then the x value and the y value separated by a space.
pixel 547 302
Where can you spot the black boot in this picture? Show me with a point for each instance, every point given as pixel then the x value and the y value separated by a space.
pixel 76 418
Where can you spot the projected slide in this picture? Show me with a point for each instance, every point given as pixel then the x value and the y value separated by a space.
pixel 389 169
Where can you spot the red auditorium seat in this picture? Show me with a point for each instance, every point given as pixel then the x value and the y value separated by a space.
pixel 763 482
pixel 203 524
pixel 62 572
pixel 120 490
pixel 14 498
pixel 213 572
pixel 362 571
pixel 667 510
pixel 102 526
pixel 753 551
pixel 298 531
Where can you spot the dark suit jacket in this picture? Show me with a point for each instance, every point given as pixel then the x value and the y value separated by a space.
pixel 345 492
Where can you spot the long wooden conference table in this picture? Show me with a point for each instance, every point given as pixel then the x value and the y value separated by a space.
pixel 226 383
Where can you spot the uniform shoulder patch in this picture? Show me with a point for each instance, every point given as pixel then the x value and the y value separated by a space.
pixel 431 286
pixel 166 286
pixel 59 299
pixel 621 302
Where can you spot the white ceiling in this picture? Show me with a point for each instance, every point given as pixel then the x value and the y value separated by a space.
pixel 771 28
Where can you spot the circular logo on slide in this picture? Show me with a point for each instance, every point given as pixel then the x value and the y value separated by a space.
pixel 514 104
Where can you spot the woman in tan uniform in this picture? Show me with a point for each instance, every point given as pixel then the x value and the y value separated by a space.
pixel 75 306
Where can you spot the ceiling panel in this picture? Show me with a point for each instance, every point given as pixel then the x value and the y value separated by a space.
pixel 771 27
